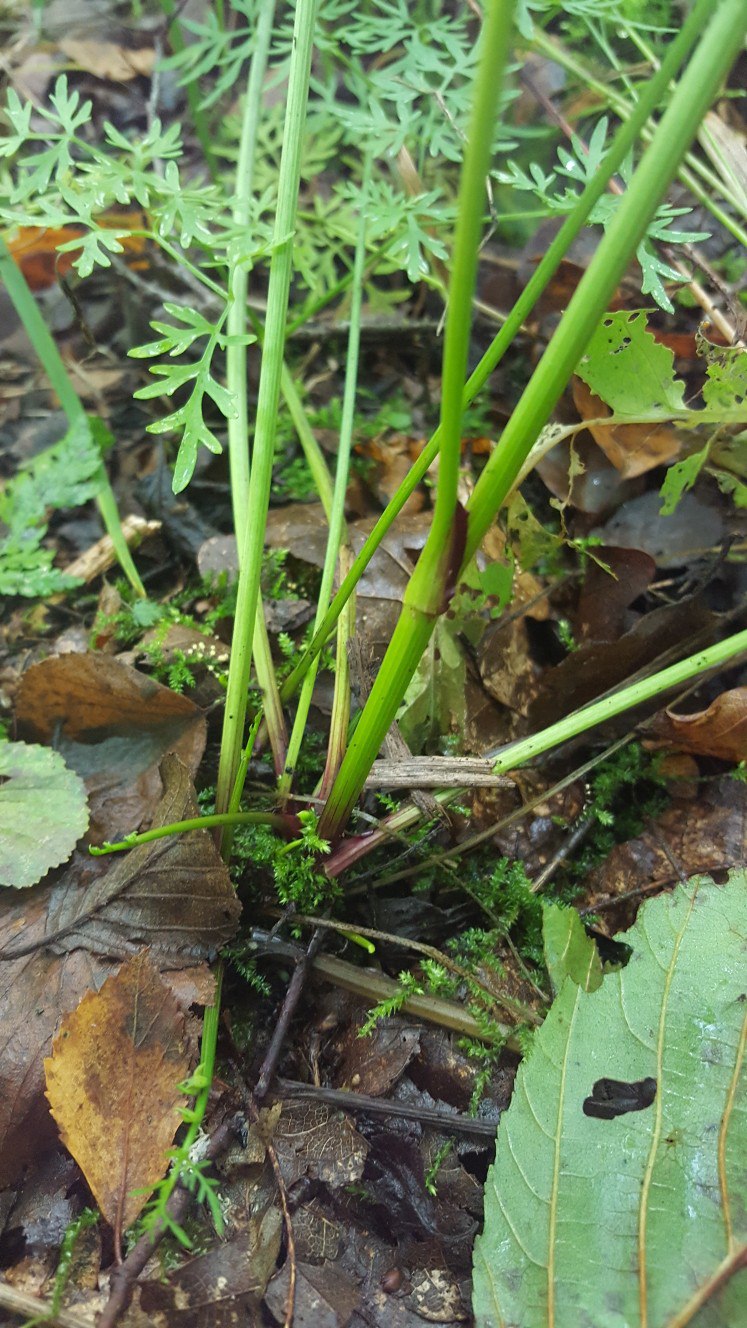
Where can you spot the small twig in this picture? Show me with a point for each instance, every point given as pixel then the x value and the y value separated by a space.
pixel 419 772
pixel 515 1007
pixel 123 1277
pixel 33 1308
pixel 372 986
pixel 375 1106
pixel 576 837
pixel 292 997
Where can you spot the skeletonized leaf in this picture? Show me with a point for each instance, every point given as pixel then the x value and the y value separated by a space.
pixel 617 1197
pixel 112 1085
pixel 43 812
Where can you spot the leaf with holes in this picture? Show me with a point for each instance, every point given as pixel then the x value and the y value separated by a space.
pixel 629 370
pixel 617 1197
pixel 43 812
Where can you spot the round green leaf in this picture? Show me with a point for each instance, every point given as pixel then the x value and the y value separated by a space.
pixel 43 812
pixel 636 1215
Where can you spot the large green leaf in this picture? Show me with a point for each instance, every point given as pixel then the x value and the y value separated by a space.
pixel 638 1220
pixel 43 812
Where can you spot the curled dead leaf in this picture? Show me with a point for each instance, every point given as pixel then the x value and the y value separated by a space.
pixel 719 731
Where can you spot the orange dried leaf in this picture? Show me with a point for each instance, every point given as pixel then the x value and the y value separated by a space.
pixel 719 731
pixel 108 59
pixel 112 1085
pixel 632 448
pixel 34 248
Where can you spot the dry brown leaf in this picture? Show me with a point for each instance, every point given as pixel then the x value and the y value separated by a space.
pixel 632 448
pixel 112 725
pixel 177 894
pixel 112 1085
pixel 719 731
pixel 706 835
pixel 35 992
pixel 107 59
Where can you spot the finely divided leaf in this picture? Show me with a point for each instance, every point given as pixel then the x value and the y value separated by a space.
pixel 43 812
pixel 640 1217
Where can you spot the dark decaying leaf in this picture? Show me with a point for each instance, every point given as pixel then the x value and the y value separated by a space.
pixel 374 1063
pixel 325 1297
pixel 112 725
pixel 595 667
pixel 220 1289
pixel 113 1086
pixel 603 612
pixel 173 895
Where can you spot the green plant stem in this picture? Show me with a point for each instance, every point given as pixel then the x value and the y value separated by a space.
pixel 274 819
pixel 337 513
pixel 313 454
pixel 51 361
pixel 236 364
pixel 496 38
pixel 599 711
pixel 208 1046
pixel 546 269
pixel 516 754
pixel 428 590
pixel 339 722
pixel 251 539
pixel 689 103
pixel 692 97
pixel 238 274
